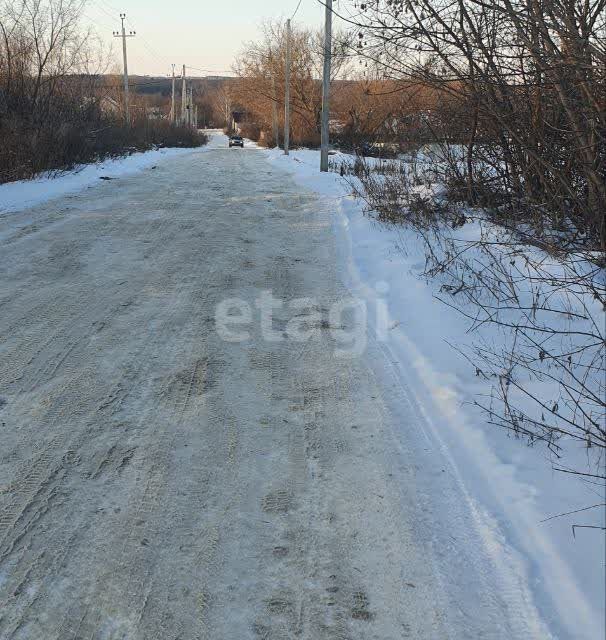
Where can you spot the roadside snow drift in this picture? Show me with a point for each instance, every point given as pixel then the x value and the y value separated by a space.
pixel 511 488
pixel 23 194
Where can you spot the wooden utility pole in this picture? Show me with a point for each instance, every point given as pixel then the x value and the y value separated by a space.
pixel 173 115
pixel 287 92
pixel 326 86
pixel 124 35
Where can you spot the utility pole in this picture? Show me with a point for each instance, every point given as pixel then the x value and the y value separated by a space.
pixel 326 86
pixel 274 109
pixel 124 35
pixel 184 99
pixel 173 115
pixel 287 92
pixel 190 107
pixel 187 106
pixel 274 103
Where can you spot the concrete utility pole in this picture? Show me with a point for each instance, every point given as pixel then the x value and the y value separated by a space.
pixel 274 110
pixel 124 35
pixel 190 107
pixel 173 115
pixel 184 99
pixel 187 104
pixel 326 86
pixel 287 92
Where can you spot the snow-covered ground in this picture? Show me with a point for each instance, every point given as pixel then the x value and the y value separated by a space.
pixel 511 488
pixel 508 488
pixel 23 194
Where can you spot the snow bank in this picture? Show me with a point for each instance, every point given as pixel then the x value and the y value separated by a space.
pixel 23 194
pixel 511 488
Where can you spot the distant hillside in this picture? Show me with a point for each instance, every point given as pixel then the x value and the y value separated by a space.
pixel 153 85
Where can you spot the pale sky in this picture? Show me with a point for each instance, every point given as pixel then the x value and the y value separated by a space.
pixel 204 34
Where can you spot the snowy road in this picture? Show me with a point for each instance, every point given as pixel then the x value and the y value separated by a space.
pixel 160 482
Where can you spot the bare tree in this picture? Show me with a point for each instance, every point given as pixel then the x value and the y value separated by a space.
pixel 260 68
pixel 520 126
pixel 53 96
pixel 530 80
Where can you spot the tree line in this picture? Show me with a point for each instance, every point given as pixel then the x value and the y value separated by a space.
pixel 57 106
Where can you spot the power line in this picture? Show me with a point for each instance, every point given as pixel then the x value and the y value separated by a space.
pixel 152 51
pixel 155 56
pixel 296 10
pixel 210 70
pixel 109 6
pixel 337 14
pixel 106 12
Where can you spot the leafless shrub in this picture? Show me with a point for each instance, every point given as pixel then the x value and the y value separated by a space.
pixel 545 294
pixel 397 191
pixel 525 85
pixel 548 382
pixel 520 153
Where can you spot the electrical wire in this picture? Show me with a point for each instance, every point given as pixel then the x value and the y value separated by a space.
pixel 106 12
pixel 103 6
pixel 296 10
pixel 215 71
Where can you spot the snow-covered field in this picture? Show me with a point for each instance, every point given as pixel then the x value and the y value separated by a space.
pixel 511 488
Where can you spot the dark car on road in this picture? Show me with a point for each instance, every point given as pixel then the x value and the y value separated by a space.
pixel 236 141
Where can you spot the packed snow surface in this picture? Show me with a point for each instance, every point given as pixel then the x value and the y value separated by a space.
pixel 163 477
